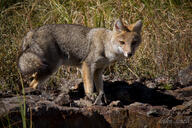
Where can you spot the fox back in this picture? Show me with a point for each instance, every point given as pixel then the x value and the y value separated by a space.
pixel 51 42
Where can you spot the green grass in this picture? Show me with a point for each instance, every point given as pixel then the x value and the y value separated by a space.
pixel 23 104
pixel 168 86
pixel 166 46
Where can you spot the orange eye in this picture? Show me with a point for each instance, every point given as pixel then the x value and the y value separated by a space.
pixel 122 42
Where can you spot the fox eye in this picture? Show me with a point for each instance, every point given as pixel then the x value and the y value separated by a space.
pixel 122 42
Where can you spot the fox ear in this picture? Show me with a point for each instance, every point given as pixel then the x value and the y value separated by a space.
pixel 136 27
pixel 118 26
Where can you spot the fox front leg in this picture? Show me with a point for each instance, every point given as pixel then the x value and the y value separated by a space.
pixel 88 72
pixel 101 99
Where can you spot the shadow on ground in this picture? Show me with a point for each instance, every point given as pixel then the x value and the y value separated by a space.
pixel 135 92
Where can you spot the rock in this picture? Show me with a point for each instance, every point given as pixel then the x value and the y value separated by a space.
pixel 184 106
pixel 116 104
pixel 185 76
pixel 153 113
pixel 150 84
pixel 162 80
pixel 32 91
pixel 63 99
pixel 82 103
pixel 187 91
pixel 130 106
pixel 184 94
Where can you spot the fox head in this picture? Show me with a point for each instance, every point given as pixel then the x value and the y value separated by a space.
pixel 126 39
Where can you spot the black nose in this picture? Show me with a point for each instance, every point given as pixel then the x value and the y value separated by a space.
pixel 130 54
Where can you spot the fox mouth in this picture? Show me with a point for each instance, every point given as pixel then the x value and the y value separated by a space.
pixel 128 55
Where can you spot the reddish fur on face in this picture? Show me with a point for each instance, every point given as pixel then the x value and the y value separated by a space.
pixel 127 37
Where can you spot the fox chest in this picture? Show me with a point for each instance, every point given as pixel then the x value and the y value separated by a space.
pixel 112 57
pixel 103 61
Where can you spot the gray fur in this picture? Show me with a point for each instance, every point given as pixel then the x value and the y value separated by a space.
pixel 46 48
pixel 54 43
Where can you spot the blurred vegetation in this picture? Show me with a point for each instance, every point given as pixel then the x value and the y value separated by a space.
pixel 167 32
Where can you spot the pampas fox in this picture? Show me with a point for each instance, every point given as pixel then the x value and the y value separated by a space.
pixel 93 49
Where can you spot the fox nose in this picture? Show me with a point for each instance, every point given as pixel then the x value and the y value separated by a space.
pixel 130 54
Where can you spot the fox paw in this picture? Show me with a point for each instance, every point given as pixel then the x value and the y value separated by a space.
pixel 92 97
pixel 101 100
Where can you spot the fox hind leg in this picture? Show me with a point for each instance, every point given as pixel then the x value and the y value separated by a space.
pixel 34 75
pixel 34 84
pixel 41 76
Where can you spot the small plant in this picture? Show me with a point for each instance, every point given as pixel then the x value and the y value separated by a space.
pixel 167 86
pixel 23 104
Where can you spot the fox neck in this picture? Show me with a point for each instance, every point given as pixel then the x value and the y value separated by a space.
pixel 111 49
